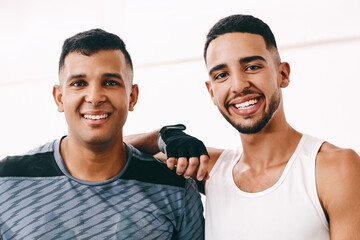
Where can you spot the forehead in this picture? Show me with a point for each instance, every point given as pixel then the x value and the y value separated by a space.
pixel 103 61
pixel 234 46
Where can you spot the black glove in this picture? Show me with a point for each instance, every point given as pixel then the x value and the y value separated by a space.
pixel 175 143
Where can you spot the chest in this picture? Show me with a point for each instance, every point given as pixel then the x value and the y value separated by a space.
pixel 274 216
pixel 285 206
pixel 53 207
pixel 251 180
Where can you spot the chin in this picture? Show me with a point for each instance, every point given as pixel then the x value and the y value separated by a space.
pixel 256 125
pixel 253 126
pixel 99 140
pixel 250 129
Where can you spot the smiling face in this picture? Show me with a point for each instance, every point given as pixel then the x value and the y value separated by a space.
pixel 245 80
pixel 95 93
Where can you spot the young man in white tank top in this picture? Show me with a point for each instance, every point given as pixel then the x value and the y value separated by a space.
pixel 282 184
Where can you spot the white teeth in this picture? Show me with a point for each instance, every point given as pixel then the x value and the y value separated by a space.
pixel 247 104
pixel 96 117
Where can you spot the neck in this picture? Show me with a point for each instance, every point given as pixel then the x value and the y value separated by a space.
pixel 93 162
pixel 273 145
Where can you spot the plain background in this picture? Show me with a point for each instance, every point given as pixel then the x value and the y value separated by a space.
pixel 320 39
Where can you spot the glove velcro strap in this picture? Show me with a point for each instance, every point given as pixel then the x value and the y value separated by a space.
pixel 161 143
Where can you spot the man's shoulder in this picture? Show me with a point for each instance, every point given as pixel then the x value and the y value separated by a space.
pixel 332 158
pixel 337 175
pixel 37 162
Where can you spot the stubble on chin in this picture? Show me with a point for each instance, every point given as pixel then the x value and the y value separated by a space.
pixel 260 124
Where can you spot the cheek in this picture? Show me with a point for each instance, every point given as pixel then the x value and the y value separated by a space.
pixel 272 89
pixel 219 95
pixel 121 101
pixel 72 104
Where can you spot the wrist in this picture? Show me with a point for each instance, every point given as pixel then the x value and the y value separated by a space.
pixel 163 134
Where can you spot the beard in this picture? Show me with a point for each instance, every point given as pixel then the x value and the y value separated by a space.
pixel 260 124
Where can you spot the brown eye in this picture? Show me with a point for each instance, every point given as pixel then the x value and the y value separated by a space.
pixel 111 83
pixel 80 83
pixel 252 68
pixel 221 75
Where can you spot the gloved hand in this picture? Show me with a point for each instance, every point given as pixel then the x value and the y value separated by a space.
pixel 183 151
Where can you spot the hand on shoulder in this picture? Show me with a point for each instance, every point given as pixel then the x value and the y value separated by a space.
pixel 194 166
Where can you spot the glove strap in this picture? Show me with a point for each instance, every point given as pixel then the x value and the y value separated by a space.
pixel 164 130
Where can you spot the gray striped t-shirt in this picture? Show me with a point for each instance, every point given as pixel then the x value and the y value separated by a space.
pixel 39 199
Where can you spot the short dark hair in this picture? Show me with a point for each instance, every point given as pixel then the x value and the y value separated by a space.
pixel 244 24
pixel 92 41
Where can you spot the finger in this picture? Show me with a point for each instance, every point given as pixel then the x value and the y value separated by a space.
pixel 207 176
pixel 203 167
pixel 171 162
pixel 181 165
pixel 192 167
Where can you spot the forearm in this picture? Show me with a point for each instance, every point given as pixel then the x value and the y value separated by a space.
pixel 146 142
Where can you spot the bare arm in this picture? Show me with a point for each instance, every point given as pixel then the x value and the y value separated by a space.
pixel 146 142
pixel 338 182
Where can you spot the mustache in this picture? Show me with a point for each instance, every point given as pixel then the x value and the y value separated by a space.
pixel 245 92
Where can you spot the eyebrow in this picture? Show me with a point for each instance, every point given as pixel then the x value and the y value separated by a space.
pixel 113 75
pixel 251 58
pixel 242 61
pixel 110 75
pixel 75 76
pixel 217 67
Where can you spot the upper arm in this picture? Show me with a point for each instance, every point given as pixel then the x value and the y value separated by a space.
pixel 338 183
pixel 214 154
pixel 146 142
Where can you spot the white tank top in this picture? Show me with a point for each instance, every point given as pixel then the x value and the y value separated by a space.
pixel 289 210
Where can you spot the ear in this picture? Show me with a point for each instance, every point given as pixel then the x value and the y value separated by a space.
pixel 133 96
pixel 210 90
pixel 57 94
pixel 284 69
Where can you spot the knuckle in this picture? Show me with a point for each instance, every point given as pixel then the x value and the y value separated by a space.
pixel 193 162
pixel 171 160
pixel 182 164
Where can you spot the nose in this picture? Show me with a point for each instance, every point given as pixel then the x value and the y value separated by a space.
pixel 239 82
pixel 95 95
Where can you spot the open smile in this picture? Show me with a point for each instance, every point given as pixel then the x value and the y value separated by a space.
pixel 95 116
pixel 247 107
pixel 246 104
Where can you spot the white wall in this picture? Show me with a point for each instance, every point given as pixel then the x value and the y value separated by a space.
pixel 320 39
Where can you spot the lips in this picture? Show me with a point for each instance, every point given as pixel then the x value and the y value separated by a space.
pixel 246 106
